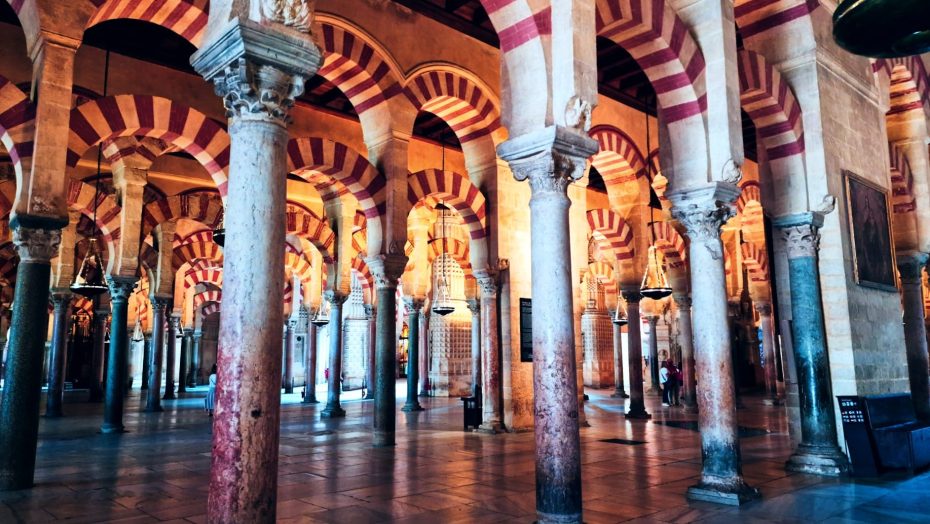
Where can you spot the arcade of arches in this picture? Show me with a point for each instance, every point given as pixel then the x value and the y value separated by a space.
pixel 444 199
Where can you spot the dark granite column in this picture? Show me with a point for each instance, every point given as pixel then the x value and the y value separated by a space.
pixel 475 307
pixel 333 408
pixel 915 331
pixel 101 313
pixel 654 387
pixel 197 353
pixel 491 415
pixel 371 313
pixel 551 159
pixel 171 347
pixel 423 354
pixel 310 366
pixel 153 395
pixel 288 357
pixel 636 407
pixel 19 407
pixel 619 388
pixel 702 211
pixel 413 356
pixel 685 338
pixel 386 270
pixel 768 351
pixel 818 452
pixel 61 327
pixel 183 367
pixel 146 360
pixel 118 354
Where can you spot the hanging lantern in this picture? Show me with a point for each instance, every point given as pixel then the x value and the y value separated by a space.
pixel 883 28
pixel 89 280
pixel 442 305
pixel 620 317
pixel 321 317
pixel 219 234
pixel 655 284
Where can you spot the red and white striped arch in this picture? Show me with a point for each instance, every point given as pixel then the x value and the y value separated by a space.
pixel 910 85
pixel 614 230
pixel 142 115
pixel 457 100
pixel 770 103
pixel 457 249
pixel 603 271
pixel 618 161
pixel 200 205
pixel 210 308
pixel 756 261
pixel 191 253
pixel 339 164
pixel 902 182
pixel 660 43
pixel 204 276
pixel 81 198
pixel 363 277
pixel 203 235
pixel 86 305
pixel 187 18
pixel 454 189
pixel 671 244
pixel 317 231
pixel 750 193
pixel 7 195
pixel 212 295
pixel 758 16
pixel 17 125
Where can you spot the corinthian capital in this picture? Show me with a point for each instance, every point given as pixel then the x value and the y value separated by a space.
pixel 120 287
pixel 550 158
pixel 704 210
pixel 801 240
pixel 257 91
pixel 36 246
pixel 386 270
pixel 910 266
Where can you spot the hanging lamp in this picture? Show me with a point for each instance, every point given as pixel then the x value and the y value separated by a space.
pixel 620 317
pixel 88 281
pixel 219 234
pixel 655 283
pixel 321 317
pixel 883 28
pixel 443 305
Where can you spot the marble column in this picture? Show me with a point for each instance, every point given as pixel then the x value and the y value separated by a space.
pixel 370 313
pixel 702 211
pixel 818 452
pixel 197 358
pixel 490 357
pixel 423 354
pixel 415 306
pixel 310 366
pixel 654 386
pixel 61 327
pixel 146 360
pixel 386 271
pixel 915 331
pixel 101 312
pixel 636 407
pixel 333 408
pixel 118 353
pixel 153 396
pixel 259 68
pixel 171 340
pixel 19 406
pixel 688 393
pixel 184 360
pixel 550 159
pixel 768 351
pixel 288 357
pixel 619 388
pixel 475 307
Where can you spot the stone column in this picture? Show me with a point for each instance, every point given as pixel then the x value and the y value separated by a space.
pixel 61 327
pixel 654 386
pixel 258 66
pixel 475 307
pixel 19 407
pixel 184 364
pixel 386 270
pixel 146 359
pixel 310 366
pixel 118 354
pixel 768 351
pixel 423 354
pixel 333 409
pixel 703 211
pixel 619 388
pixel 818 452
pixel 636 407
pixel 413 357
pixel 371 313
pixel 490 357
pixel 171 339
pixel 101 312
pixel 288 357
pixel 196 357
pixel 550 159
pixel 915 331
pixel 153 396
pixel 683 302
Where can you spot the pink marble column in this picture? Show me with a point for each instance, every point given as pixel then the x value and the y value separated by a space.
pixel 636 407
pixel 490 357
pixel 258 69
pixel 683 302
pixel 424 386
pixel 475 308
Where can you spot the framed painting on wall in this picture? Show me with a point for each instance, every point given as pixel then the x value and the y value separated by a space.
pixel 870 229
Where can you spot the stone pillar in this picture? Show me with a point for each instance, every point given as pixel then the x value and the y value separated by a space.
pixel 413 357
pixel 703 211
pixel 818 452
pixel 619 389
pixel 118 353
pixel 333 409
pixel 768 351
pixel 915 331
pixel 654 386
pixel 184 363
pixel 310 366
pixel 386 270
pixel 61 328
pixel 101 312
pixel 550 159
pixel 288 357
pixel 475 307
pixel 636 407
pixel 197 357
pixel 19 407
pixel 370 313
pixel 171 339
pixel 153 396
pixel 146 360
pixel 423 355
pixel 683 302
pixel 490 357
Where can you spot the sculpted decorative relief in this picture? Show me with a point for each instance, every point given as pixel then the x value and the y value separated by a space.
pixel 292 13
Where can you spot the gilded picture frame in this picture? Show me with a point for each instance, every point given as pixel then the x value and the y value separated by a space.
pixel 868 209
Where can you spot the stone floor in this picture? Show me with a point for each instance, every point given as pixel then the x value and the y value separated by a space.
pixel 436 474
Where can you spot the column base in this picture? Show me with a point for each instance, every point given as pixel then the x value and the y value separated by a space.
pixel 772 402
pixel 421 394
pixel 619 393
pixel 333 412
pixel 815 460
pixel 309 400
pixel 382 439
pixel 548 518
pixel 491 428
pixel 638 413
pixel 736 493
pixel 108 429
pixel 415 406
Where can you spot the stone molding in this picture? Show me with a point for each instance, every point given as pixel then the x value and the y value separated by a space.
pixel 550 158
pixel 487 287
pixel 120 287
pixel 297 14
pixel 335 298
pixel 36 246
pixel 160 301
pixel 632 294
pixel 61 297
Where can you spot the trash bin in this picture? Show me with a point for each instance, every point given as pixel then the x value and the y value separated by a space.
pixel 472 411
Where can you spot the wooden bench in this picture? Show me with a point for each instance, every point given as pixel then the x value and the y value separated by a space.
pixel 900 439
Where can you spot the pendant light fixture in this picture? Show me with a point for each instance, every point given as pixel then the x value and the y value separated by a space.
pixel 442 305
pixel 321 317
pixel 88 281
pixel 620 317
pixel 883 28
pixel 219 234
pixel 655 283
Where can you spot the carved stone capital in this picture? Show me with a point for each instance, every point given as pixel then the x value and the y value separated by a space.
pixel 36 246
pixel 160 302
pixel 682 300
pixel 386 270
pixel 174 320
pixel 550 158
pixel 474 306
pixel 631 295
pixel 370 311
pixel 764 308
pixel 297 14
pixel 801 241
pixel 61 297
pixel 335 298
pixel 120 287
pixel 910 265
pixel 414 304
pixel 487 287
pixel 257 91
pixel 703 211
